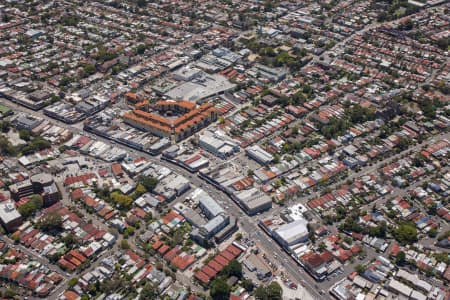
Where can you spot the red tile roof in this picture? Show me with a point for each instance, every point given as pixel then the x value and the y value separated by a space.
pixel 157 244
pixel 209 271
pixel 76 194
pixel 215 265
pixel 221 260
pixel 70 295
pixel 201 276
pixel 312 260
pixel 171 254
pixel 183 262
pixel 163 249
pixel 227 255
pixel 65 263
pixel 395 249
pixel 117 169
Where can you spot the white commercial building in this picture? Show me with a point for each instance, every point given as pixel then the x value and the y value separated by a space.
pixel 217 144
pixel 292 233
pixel 10 218
pixel 260 155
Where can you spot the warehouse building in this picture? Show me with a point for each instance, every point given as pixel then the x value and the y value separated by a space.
pixel 252 200
pixel 217 144
pixel 257 153
pixel 293 233
pixel 207 204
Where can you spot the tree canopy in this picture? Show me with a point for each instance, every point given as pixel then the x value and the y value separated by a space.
pixel 69 20
pixel 149 292
pixel 400 259
pixel 29 208
pixel 51 222
pixel 234 268
pixel 405 233
pixel 124 201
pixel 220 290
pixel 148 182
pixel 141 3
pixel 273 291
pixel 36 144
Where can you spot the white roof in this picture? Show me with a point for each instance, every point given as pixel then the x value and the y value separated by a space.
pixel 293 231
pixel 8 212
pixel 399 287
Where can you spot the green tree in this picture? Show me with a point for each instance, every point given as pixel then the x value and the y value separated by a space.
pixel 274 291
pixel 322 247
pixel 89 69
pixel 428 109
pixel 140 189
pixel 103 54
pixel 359 114
pixel 403 143
pixel 72 282
pixel 4 126
pixel 360 269
pixel 405 233
pixel 140 49
pixel 29 208
pixel 37 144
pixel 271 292
pixel 148 182
pixel 248 285
pixel 9 294
pixel 70 240
pixel 220 290
pixel 432 209
pixel 400 259
pixel 432 232
pixel 141 3
pixel 444 43
pixel 124 244
pixel 51 222
pixel 378 231
pixel 268 5
pixel 65 81
pixel 6 148
pixel 234 268
pixel 24 135
pixel 276 159
pixel 129 231
pixel 68 20
pixel 37 200
pixel 148 292
pixel 122 200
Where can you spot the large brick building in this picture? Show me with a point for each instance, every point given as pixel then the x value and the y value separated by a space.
pixel 161 122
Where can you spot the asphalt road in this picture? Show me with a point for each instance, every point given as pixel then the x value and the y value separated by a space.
pixel 43 260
